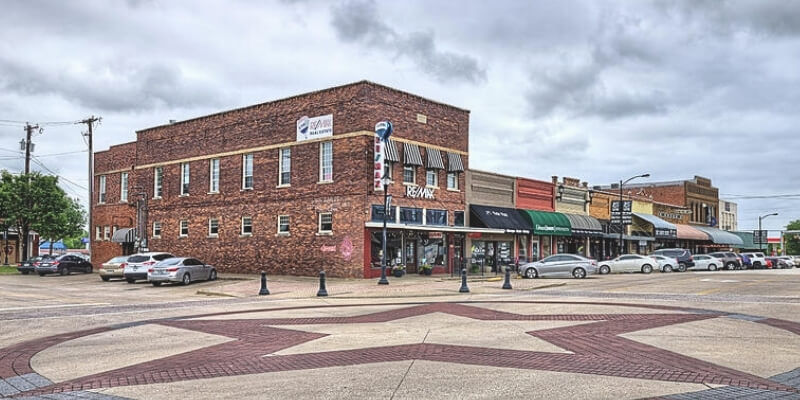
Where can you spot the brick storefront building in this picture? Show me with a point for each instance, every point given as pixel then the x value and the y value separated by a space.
pixel 287 186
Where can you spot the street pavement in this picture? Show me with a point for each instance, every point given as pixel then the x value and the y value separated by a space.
pixel 694 335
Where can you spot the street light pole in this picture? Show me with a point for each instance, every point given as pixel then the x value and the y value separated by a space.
pixel 761 242
pixel 383 130
pixel 621 223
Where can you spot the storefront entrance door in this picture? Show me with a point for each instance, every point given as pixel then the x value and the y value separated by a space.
pixel 411 255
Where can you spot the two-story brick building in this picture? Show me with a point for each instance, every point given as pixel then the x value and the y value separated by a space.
pixel 287 186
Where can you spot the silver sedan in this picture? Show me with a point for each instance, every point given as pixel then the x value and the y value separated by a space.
pixel 628 263
pixel 560 265
pixel 182 270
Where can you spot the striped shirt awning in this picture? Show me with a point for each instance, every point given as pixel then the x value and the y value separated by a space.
pixel 391 151
pixel 434 158
pixel 411 155
pixel 124 235
pixel 454 163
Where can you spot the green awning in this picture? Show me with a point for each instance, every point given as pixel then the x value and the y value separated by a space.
pixel 747 239
pixel 549 223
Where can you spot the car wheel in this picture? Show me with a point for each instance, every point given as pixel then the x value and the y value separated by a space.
pixel 712 267
pixel 64 271
pixel 131 280
pixel 89 269
pixel 668 268
pixel 156 283
pixel 579 273
pixel 647 269
pixel 186 279
pixel 105 278
pixel 756 265
pixel 213 275
pixel 681 267
pixel 605 269
pixel 530 273
pixel 25 272
pixel 730 266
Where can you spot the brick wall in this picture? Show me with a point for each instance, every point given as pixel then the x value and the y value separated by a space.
pixel 534 195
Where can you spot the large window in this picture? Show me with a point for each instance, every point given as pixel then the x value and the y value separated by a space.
pixel 436 217
pixel 285 167
pixel 123 187
pixel 184 228
pixel 409 174
pixel 452 181
pixel 326 162
pixel 431 177
pixel 158 187
pixel 377 213
pixel 156 229
pixel 247 226
pixel 213 227
pixel 458 218
pixel 283 224
pixel 102 196
pixel 410 215
pixel 325 222
pixel 184 179
pixel 213 175
pixel 247 171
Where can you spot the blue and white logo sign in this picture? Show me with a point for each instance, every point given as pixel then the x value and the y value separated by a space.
pixel 315 127
pixel 302 126
pixel 383 130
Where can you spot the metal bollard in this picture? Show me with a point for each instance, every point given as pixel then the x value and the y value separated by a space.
pixel 322 292
pixel 464 288
pixel 507 283
pixel 264 291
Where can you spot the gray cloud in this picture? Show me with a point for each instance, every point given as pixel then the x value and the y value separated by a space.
pixel 763 17
pixel 359 21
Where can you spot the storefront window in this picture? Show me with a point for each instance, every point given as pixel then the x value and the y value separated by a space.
pixel 546 250
pixel 436 217
pixel 534 251
pixel 523 249
pixel 458 218
pixel 393 248
pixel 410 215
pixel 377 213
pixel 433 252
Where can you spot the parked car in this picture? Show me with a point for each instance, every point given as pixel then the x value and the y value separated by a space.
pixel 63 265
pixel 778 262
pixel 788 259
pixel 665 264
pixel 706 262
pixel 137 265
pixel 181 270
pixel 113 268
pixel 728 260
pixel 563 265
pixel 684 257
pixel 628 263
pixel 29 265
pixel 757 259
pixel 745 261
pixel 796 260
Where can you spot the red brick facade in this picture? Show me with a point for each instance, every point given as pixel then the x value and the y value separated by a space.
pixel 263 130
pixel 535 195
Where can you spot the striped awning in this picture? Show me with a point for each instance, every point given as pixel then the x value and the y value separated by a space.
pixel 454 163
pixel 391 151
pixel 687 232
pixel 411 154
pixel 434 158
pixel 124 235
pixel 584 225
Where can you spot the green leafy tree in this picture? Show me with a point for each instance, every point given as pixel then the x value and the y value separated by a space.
pixel 61 217
pixel 792 240
pixel 74 242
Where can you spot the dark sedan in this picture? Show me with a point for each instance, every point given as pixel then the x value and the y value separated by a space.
pixel 64 265
pixel 29 265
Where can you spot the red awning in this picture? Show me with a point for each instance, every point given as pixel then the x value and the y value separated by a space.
pixel 688 233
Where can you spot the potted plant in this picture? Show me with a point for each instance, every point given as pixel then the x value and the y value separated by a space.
pixel 426 269
pixel 398 270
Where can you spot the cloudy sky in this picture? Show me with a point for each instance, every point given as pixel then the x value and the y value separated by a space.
pixel 598 90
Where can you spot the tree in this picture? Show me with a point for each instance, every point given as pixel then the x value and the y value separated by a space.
pixel 74 242
pixel 62 218
pixel 792 240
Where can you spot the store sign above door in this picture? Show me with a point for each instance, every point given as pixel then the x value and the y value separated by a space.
pixel 314 128
pixel 417 192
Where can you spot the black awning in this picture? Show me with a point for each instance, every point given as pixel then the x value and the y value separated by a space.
pixel 434 158
pixel 454 163
pixel 411 154
pixel 508 219
pixel 391 151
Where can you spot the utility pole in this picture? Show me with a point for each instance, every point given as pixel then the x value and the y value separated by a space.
pixel 28 132
pixel 90 122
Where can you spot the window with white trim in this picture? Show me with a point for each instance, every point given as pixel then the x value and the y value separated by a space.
pixel 158 187
pixel 247 226
pixel 409 174
pixel 247 171
pixel 184 179
pixel 102 196
pixel 123 187
pixel 98 234
pixel 106 232
pixel 213 175
pixel 452 181
pixel 431 177
pixel 213 227
pixel 184 228
pixel 283 224
pixel 156 229
pixel 326 162
pixel 285 167
pixel 325 222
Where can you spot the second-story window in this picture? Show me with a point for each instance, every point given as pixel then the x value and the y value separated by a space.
pixel 156 229
pixel 452 181
pixel 247 171
pixel 285 177
pixel 432 178
pixel 184 179
pixel 247 226
pixel 409 174
pixel 213 227
pixel 123 187
pixel 158 187
pixel 326 162
pixel 102 196
pixel 184 228
pixel 213 175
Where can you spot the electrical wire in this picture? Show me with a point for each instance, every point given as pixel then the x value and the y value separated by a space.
pixel 39 162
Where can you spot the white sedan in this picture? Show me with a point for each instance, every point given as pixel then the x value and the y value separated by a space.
pixel 665 264
pixel 627 263
pixel 702 261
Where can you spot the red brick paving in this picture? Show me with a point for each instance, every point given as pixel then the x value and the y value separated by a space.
pixel 597 347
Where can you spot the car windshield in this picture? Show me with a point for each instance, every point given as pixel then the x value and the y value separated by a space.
pixel 169 261
pixel 138 259
pixel 119 259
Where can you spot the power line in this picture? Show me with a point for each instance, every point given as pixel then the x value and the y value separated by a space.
pixel 39 162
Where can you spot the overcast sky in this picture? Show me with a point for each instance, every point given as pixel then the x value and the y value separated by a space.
pixel 598 90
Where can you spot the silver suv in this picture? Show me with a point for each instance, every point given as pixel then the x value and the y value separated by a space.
pixel 727 259
pixel 138 264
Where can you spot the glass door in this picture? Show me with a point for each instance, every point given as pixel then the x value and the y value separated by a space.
pixel 411 255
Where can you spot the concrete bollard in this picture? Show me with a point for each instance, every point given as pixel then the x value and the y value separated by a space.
pixel 322 292
pixel 464 288
pixel 507 283
pixel 264 291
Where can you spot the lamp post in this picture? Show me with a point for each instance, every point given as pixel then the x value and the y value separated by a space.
pixel 621 223
pixel 383 130
pixel 761 242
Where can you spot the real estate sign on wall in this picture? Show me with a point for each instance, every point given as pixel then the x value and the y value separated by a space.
pixel 314 128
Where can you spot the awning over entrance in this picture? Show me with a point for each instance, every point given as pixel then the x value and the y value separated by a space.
pixel 687 232
pixel 549 223
pixel 508 219
pixel 661 229
pixel 628 237
pixel 124 235
pixel 434 228
pixel 584 225
pixel 718 236
pixel 748 241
